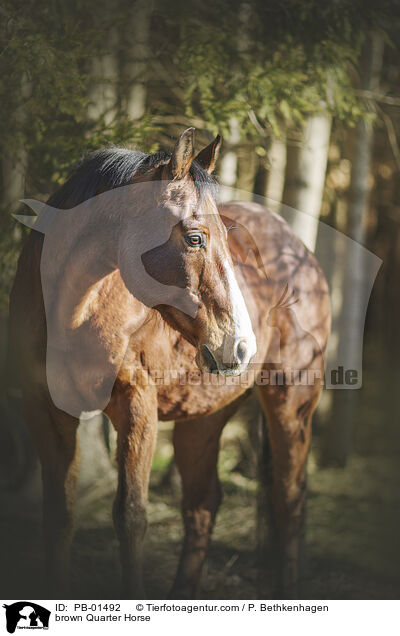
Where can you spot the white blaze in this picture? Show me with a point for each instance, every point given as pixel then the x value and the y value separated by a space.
pixel 240 314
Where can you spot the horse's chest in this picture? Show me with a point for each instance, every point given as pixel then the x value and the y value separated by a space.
pixel 184 401
pixel 184 392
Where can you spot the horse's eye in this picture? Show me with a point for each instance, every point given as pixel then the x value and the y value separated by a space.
pixel 195 240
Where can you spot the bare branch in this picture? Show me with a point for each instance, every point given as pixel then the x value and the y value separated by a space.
pixel 253 118
pixel 391 136
pixel 378 97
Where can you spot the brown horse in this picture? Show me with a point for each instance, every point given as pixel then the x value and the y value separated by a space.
pixel 133 280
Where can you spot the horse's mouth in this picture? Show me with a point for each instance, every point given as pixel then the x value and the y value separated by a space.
pixel 209 359
pixel 209 364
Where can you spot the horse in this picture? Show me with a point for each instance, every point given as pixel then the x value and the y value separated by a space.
pixel 132 272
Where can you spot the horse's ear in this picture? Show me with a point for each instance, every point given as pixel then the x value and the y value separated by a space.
pixel 207 157
pixel 183 154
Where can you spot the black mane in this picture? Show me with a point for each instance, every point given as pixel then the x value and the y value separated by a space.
pixel 111 168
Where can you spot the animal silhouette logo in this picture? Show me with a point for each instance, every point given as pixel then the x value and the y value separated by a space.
pixel 140 239
pixel 26 615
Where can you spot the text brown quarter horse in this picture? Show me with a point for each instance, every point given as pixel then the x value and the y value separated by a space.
pixel 143 276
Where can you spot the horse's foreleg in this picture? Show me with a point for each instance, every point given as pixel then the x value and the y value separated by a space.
pixel 55 437
pixel 288 411
pixel 196 444
pixel 134 415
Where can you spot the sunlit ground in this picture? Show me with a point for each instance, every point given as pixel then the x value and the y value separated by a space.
pixel 352 528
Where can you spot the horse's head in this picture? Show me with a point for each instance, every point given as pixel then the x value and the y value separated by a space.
pixel 184 250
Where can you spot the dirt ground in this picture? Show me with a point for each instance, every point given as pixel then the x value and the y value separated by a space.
pixel 352 525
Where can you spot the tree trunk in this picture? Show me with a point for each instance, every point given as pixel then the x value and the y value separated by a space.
pixel 305 177
pixel 13 179
pixel 277 156
pixel 103 89
pixel 247 167
pixel 14 165
pixel 228 165
pixel 351 323
pixel 136 59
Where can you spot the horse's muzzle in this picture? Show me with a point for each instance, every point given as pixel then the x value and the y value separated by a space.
pixel 232 360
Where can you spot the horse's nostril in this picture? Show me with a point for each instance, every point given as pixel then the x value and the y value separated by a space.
pixel 241 350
